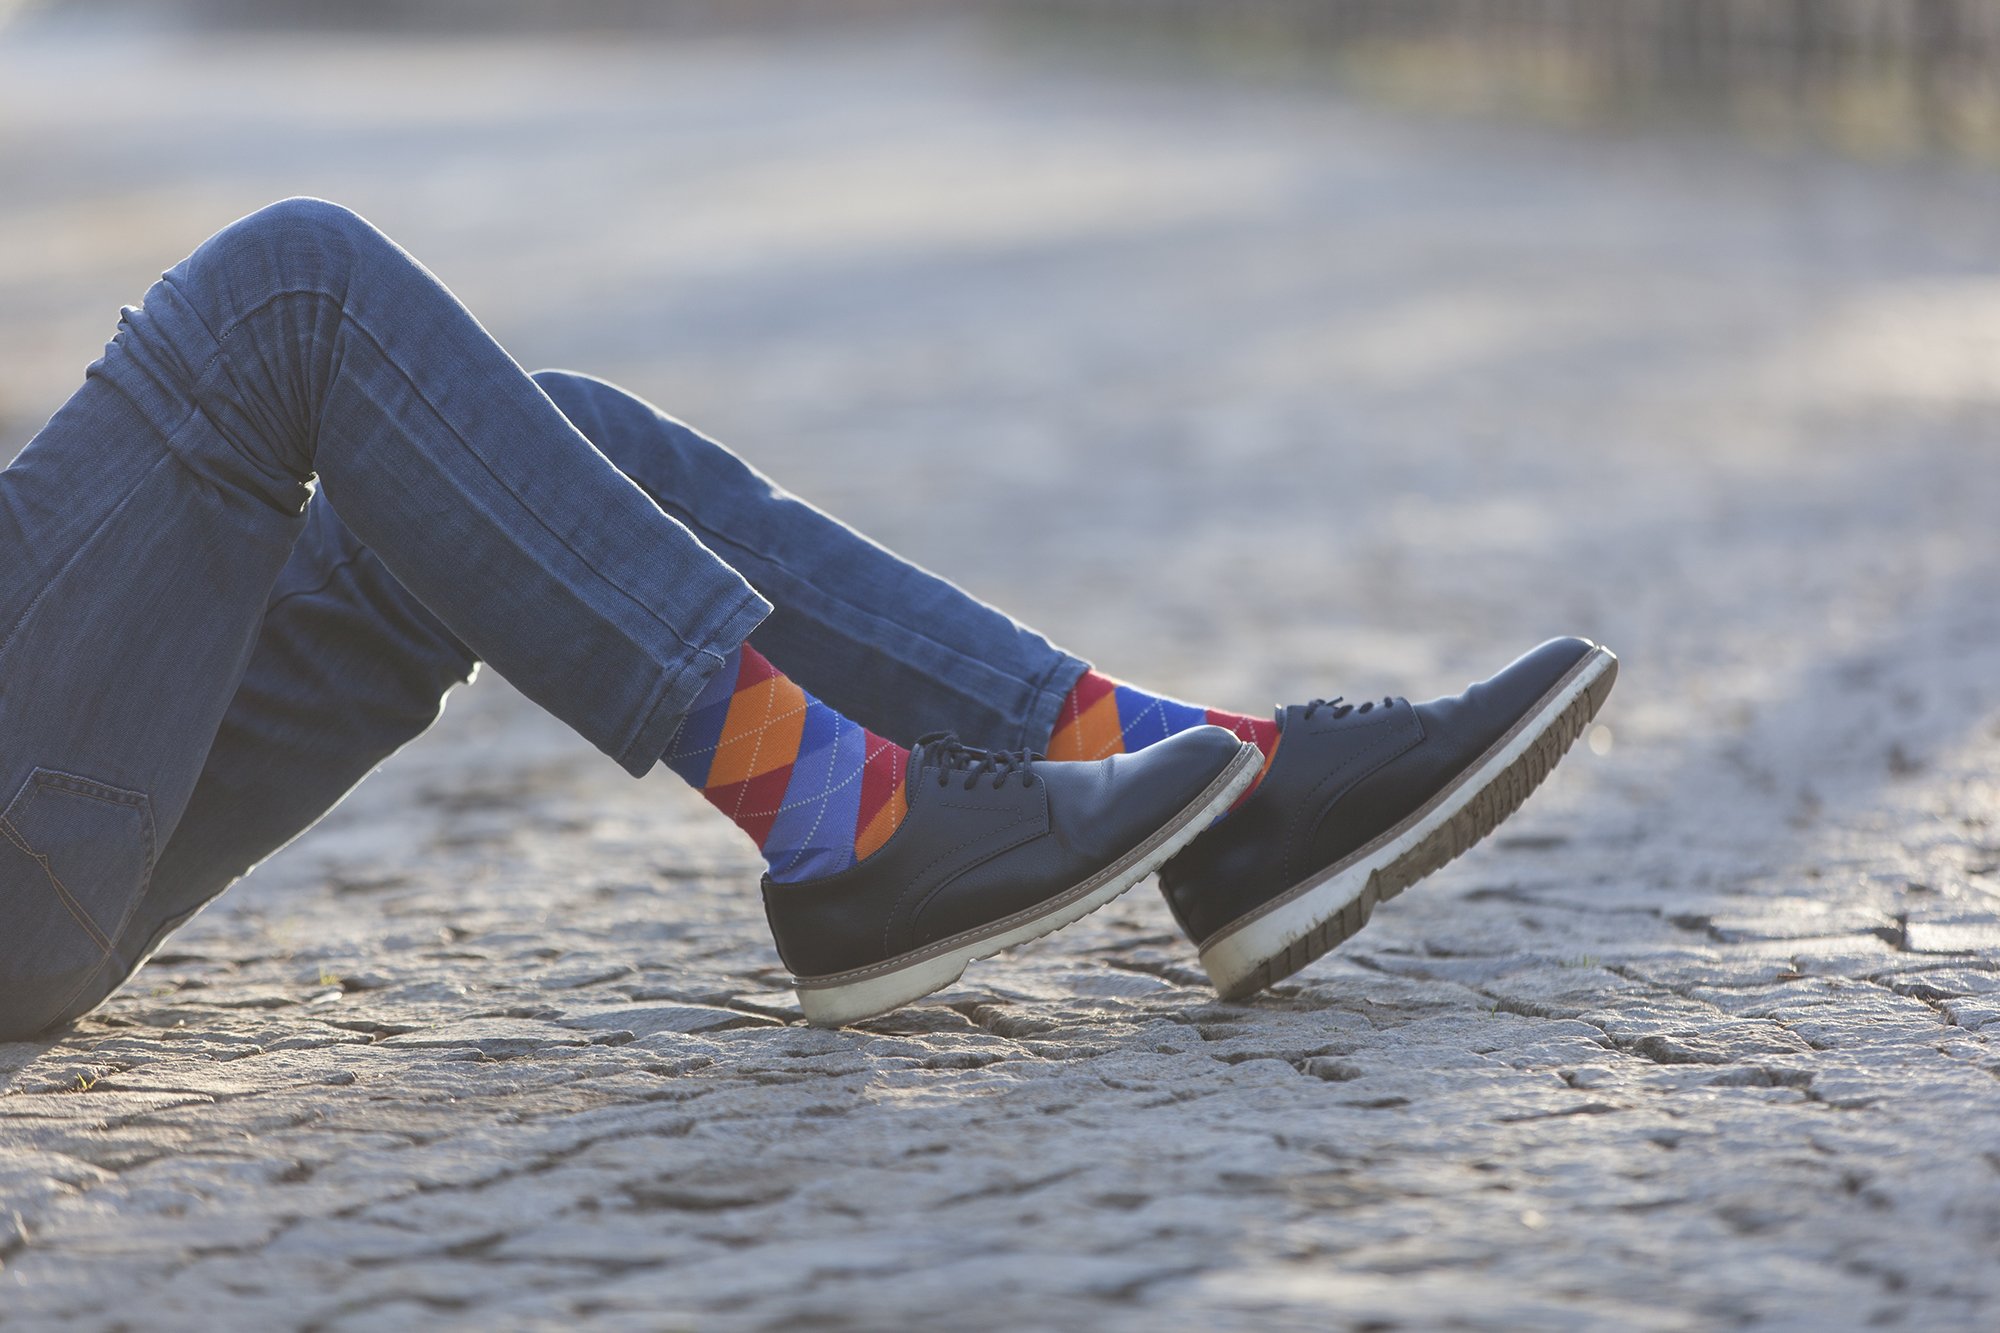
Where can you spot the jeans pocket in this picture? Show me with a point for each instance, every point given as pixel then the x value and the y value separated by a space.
pixel 75 856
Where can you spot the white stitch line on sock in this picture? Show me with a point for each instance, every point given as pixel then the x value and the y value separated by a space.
pixel 844 783
pixel 769 720
pixel 826 789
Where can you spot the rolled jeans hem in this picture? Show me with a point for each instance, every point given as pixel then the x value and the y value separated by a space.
pixel 679 689
pixel 1039 726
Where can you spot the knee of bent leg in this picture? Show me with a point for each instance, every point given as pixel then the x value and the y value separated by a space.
pixel 317 220
pixel 294 242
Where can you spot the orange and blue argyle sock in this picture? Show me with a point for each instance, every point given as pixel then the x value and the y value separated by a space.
pixel 815 791
pixel 1102 717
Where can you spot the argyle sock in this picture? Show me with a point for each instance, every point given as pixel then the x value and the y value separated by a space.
pixel 815 791
pixel 1103 717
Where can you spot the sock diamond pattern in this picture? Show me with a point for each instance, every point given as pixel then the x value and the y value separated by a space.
pixel 1102 717
pixel 815 791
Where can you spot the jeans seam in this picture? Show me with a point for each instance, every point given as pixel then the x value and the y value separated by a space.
pixel 654 703
pixel 68 899
pixel 1045 690
pixel 70 905
pixel 709 536
pixel 704 657
pixel 90 789
pixel 81 548
pixel 349 318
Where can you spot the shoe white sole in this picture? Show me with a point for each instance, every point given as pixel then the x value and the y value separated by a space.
pixel 1318 913
pixel 848 997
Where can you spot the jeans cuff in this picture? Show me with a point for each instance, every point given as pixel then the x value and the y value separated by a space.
pixel 1039 727
pixel 679 688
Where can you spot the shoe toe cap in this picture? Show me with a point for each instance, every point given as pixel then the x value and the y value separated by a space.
pixel 1487 709
pixel 1544 664
pixel 1109 806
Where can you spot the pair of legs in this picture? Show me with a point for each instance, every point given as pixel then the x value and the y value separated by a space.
pixel 303 494
pixel 199 654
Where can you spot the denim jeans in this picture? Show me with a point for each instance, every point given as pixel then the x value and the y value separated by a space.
pixel 199 657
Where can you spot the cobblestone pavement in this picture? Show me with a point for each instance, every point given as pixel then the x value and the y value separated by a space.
pixel 1247 393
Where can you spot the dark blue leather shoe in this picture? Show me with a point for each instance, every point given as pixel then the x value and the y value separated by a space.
pixel 1361 801
pixel 996 849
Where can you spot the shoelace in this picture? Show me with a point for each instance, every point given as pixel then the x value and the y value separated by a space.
pixel 951 756
pixel 1341 708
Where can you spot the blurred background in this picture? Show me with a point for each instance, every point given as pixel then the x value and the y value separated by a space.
pixel 1257 350
pixel 1353 344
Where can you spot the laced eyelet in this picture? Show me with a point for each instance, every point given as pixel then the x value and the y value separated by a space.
pixel 1340 708
pixel 952 756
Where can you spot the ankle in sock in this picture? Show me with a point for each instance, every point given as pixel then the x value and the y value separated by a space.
pixel 1102 717
pixel 815 791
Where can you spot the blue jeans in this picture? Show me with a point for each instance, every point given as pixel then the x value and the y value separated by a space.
pixel 199 657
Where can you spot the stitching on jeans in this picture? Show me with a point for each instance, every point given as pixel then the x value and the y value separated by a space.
pixel 710 537
pixel 110 795
pixel 68 900
pixel 672 674
pixel 90 789
pixel 81 549
pixel 1041 689
pixel 348 318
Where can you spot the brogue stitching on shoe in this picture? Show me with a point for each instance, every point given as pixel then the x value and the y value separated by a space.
pixel 918 779
pixel 1315 808
pixel 988 847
